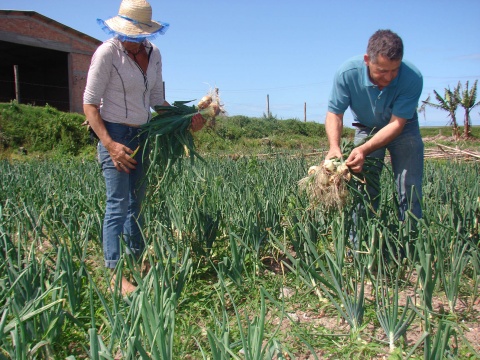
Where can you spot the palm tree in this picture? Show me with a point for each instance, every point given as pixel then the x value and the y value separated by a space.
pixel 448 103
pixel 422 109
pixel 467 101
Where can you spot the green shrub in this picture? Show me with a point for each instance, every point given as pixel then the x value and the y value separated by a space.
pixel 41 129
pixel 45 129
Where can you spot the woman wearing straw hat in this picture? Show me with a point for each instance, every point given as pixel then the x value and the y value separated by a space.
pixel 124 82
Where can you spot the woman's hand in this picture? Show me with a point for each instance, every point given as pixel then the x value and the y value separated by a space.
pixel 198 122
pixel 121 158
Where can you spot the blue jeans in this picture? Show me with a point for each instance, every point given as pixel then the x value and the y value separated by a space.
pixel 125 193
pixel 406 153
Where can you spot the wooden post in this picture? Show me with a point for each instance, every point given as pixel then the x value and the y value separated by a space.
pixel 305 112
pixel 268 107
pixel 17 83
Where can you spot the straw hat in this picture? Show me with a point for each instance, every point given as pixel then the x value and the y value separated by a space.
pixel 134 21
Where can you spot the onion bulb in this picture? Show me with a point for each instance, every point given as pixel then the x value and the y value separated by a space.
pixel 204 102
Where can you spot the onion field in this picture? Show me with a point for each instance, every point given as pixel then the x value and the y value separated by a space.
pixel 241 267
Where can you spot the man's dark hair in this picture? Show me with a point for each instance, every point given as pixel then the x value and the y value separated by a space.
pixel 385 43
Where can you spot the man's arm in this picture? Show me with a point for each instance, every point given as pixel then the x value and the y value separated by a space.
pixel 334 128
pixel 384 136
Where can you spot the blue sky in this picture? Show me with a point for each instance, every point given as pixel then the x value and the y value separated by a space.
pixel 290 50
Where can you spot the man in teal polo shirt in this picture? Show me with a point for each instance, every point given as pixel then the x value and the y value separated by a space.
pixel 382 91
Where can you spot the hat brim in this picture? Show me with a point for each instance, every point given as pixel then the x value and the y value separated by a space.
pixel 125 28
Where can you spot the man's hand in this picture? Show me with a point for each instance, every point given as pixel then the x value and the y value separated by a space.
pixel 198 122
pixel 334 153
pixel 121 158
pixel 355 160
pixel 333 128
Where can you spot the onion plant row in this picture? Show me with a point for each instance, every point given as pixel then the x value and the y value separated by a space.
pixel 226 239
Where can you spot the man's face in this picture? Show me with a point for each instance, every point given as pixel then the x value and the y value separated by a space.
pixel 382 71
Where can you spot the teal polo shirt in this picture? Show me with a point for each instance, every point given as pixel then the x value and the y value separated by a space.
pixel 370 106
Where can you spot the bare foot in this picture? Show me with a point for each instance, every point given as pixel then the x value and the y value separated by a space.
pixel 145 268
pixel 126 286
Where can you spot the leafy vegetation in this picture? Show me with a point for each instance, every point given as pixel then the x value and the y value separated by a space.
pixel 242 267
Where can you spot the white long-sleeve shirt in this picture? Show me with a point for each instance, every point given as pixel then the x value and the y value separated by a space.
pixel 116 83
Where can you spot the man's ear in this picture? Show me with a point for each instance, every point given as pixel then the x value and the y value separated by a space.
pixel 366 59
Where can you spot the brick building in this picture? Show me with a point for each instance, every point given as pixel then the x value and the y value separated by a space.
pixel 43 61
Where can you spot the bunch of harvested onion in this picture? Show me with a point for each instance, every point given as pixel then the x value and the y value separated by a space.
pixel 210 107
pixel 330 184
pixel 168 134
pixel 327 184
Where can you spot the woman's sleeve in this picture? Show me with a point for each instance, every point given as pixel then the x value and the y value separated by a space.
pixel 157 95
pixel 98 75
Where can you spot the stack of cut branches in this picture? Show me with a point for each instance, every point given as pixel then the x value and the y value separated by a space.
pixel 448 152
